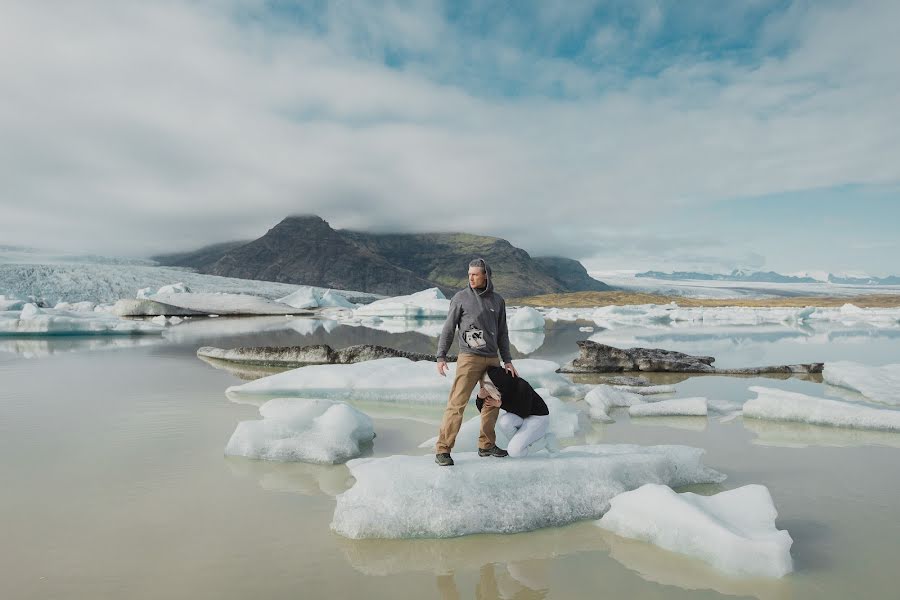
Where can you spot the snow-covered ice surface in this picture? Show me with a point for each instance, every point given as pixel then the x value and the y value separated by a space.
pixel 565 422
pixel 389 380
pixel 107 283
pixel 781 405
pixel 32 320
pixel 427 304
pixel 733 531
pixel 408 497
pixel 525 319
pixel 687 407
pixel 879 384
pixel 307 430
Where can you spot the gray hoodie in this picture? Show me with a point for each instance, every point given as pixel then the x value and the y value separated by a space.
pixel 480 316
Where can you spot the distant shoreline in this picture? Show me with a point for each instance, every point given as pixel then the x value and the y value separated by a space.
pixel 624 298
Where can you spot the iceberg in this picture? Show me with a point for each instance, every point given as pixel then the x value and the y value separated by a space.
pixel 32 320
pixel 222 303
pixel 389 380
pixel 427 304
pixel 525 319
pixel 565 422
pixel 780 405
pixel 734 531
pixel 602 398
pixel 409 497
pixel 307 430
pixel 313 297
pixel 880 384
pixel 687 407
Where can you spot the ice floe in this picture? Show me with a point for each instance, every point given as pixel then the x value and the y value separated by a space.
pixel 313 297
pixel 734 531
pixel 409 497
pixel 32 320
pixel 687 407
pixel 427 304
pixel 880 384
pixel 307 430
pixel 781 405
pixel 222 304
pixel 603 398
pixel 565 422
pixel 646 390
pixel 525 319
pixel 390 380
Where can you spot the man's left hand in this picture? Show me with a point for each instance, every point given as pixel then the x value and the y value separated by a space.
pixel 511 369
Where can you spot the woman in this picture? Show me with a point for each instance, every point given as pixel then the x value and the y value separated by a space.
pixel 526 418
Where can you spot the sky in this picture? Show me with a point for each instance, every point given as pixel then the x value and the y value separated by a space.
pixel 640 134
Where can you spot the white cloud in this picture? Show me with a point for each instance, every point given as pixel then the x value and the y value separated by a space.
pixel 139 127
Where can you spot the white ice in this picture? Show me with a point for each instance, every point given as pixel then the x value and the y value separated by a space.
pixel 780 405
pixel 313 297
pixel 307 430
pixel 9 303
pixel 410 497
pixel 526 342
pixel 427 304
pixel 880 384
pixel 525 319
pixel 223 304
pixel 32 320
pixel 734 531
pixel 565 422
pixel 390 380
pixel 646 390
pixel 680 407
pixel 603 398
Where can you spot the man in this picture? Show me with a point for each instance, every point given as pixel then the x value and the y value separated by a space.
pixel 480 315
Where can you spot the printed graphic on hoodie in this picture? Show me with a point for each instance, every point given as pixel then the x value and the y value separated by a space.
pixel 474 338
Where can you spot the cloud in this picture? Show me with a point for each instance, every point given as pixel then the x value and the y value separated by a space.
pixel 134 128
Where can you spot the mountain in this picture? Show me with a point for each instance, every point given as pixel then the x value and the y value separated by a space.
pixel 306 250
pixel 736 275
pixel 866 280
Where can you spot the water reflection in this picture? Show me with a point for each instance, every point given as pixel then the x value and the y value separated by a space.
pixel 526 342
pixel 800 435
pixel 294 477
pixel 43 347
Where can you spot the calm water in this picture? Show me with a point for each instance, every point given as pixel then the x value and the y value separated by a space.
pixel 114 483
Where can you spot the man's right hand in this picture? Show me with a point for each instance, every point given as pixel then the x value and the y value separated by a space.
pixel 442 367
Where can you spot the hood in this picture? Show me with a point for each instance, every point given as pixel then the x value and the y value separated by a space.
pixel 490 283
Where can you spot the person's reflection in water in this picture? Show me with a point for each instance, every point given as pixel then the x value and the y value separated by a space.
pixel 517 586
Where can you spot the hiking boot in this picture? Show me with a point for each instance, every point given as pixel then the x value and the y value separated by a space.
pixel 443 459
pixel 493 451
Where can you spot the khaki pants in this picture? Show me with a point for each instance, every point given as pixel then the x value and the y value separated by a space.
pixel 469 369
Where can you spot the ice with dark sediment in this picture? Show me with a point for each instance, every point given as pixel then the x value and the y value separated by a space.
pixel 410 497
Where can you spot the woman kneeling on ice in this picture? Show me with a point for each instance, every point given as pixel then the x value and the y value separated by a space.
pixel 526 418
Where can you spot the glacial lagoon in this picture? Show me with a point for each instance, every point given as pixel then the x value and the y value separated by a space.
pixel 115 482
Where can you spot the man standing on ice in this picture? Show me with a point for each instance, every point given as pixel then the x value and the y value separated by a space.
pixel 480 315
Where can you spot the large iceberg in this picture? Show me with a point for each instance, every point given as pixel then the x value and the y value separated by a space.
pixel 881 384
pixel 427 304
pixel 307 430
pixel 734 531
pixel 780 405
pixel 525 319
pixel 389 379
pixel 565 422
pixel 32 320
pixel 686 407
pixel 409 497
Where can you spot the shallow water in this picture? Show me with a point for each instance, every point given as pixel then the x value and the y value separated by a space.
pixel 115 484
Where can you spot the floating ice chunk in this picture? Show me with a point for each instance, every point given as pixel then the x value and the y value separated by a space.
pixel 565 422
pixel 307 430
pixel 603 398
pixel 76 306
pixel 688 407
pixel 781 405
pixel 313 297
pixel 159 320
pixel 526 342
pixel 223 304
pixel 646 390
pixel 32 320
pixel 525 319
pixel 409 497
pixel 427 304
pixel 388 379
pixel 734 531
pixel 586 329
pixel 9 303
pixel 175 288
pixel 881 384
